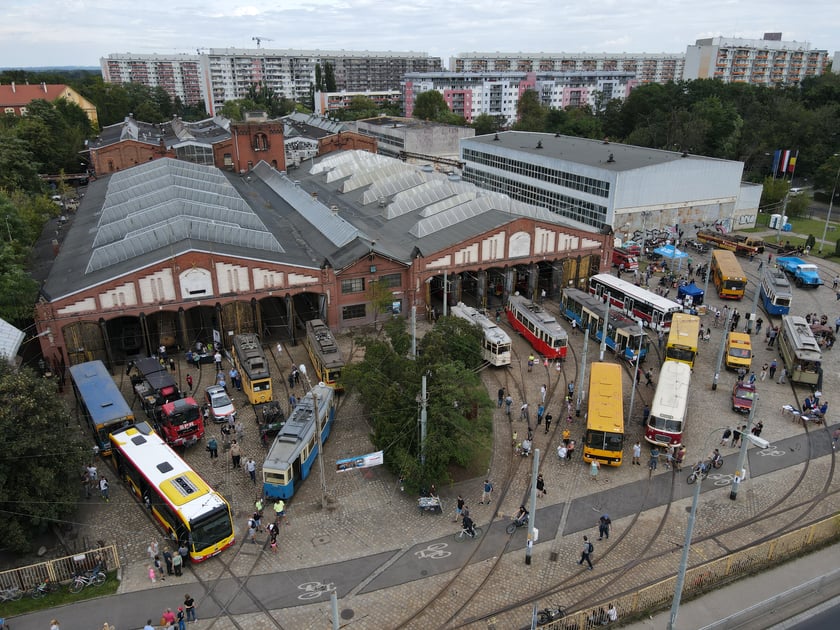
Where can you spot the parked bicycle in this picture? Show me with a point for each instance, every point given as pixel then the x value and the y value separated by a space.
pixel 44 588
pixel 11 594
pixel 463 535
pixel 96 577
pixel 547 615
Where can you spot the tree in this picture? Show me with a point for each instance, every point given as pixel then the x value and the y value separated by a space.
pixel 430 106
pixel 39 474
pixel 485 124
pixel 329 78
pixel 18 167
pixel 381 297
pixel 459 429
pixel 530 112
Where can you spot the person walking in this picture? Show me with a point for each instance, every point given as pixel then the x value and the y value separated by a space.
pixel 540 412
pixel 649 378
pixel 679 458
pixel 459 507
pixel 586 553
pixel 654 461
pixel 782 376
pixel 523 413
pixel 604 526
pixel 548 419
pixel 543 391
pixel 764 369
pixel 772 371
pixel 104 489
pixel 530 362
pixel 637 454
pixel 235 454
pixel 251 467
pixel 561 453
pixel 566 435
pixel 217 358
pixel 189 607
pixel 213 447
pixel 570 450
pixel 541 486
pixel 508 403
pixel 486 492
pixel 501 396
pixel 189 381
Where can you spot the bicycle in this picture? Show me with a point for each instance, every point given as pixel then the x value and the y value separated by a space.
pixel 700 471
pixel 43 589
pixel 515 524
pixel 11 594
pixel 462 535
pixel 547 615
pixel 91 578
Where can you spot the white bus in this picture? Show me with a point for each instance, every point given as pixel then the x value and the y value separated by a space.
pixel 666 422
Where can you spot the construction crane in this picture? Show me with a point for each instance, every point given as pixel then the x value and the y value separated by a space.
pixel 261 39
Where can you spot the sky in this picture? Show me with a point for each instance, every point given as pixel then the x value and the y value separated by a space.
pixel 35 33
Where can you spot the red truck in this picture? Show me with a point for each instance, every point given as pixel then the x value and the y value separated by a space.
pixel 177 419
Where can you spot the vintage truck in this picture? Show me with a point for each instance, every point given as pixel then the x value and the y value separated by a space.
pixel 738 243
pixel 804 274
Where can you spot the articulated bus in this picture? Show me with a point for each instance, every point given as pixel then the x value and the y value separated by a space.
pixel 100 402
pixel 604 437
pixel 730 280
pixel 682 340
pixel 624 337
pixel 189 510
pixel 250 361
pixel 801 354
pixel 642 305
pixel 323 352
pixel 495 347
pixel 666 422
pixel 775 293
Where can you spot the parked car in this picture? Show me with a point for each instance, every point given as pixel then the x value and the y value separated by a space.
pixel 743 395
pixel 218 405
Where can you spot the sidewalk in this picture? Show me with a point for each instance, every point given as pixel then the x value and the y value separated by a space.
pixel 718 608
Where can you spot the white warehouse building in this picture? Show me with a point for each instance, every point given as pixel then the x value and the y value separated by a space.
pixel 470 94
pixel 605 186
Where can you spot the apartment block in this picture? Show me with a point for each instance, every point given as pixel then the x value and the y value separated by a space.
pixel 470 94
pixel 647 68
pixel 326 102
pixel 768 61
pixel 179 75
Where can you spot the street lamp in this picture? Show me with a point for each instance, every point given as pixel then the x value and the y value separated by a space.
pixel 636 373
pixel 689 531
pixel 316 411
pixel 830 205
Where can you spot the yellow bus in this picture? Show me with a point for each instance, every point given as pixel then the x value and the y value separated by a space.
pixel 727 275
pixel 682 340
pixel 604 438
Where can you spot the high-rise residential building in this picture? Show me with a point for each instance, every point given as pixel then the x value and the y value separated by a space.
pixel 470 94
pixel 219 75
pixel 179 75
pixel 767 61
pixel 647 67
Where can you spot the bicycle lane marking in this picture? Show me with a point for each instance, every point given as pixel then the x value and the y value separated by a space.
pixel 789 452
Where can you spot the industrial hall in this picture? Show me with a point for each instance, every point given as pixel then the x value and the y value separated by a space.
pixel 172 253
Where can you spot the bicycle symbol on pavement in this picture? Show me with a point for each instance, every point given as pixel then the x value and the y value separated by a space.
pixel 771 452
pixel 722 480
pixel 435 551
pixel 313 590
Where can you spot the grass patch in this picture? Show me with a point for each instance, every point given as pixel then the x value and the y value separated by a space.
pixel 61 597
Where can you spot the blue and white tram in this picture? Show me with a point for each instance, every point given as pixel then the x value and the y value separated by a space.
pixel 295 448
pixel 775 292
pixel 624 337
pixel 495 349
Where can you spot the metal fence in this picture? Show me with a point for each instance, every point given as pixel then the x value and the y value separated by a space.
pixel 61 569
pixel 706 576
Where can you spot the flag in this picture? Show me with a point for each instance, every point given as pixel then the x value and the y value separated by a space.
pixel 783 162
pixel 777 156
pixel 792 162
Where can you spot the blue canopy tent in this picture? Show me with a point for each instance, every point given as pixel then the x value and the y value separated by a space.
pixel 690 294
pixel 670 251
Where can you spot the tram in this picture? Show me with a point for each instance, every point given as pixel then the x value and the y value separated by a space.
pixel 642 305
pixel 539 327
pixel 775 292
pixel 800 351
pixel 668 412
pixel 495 349
pixel 295 448
pixel 189 510
pixel 251 363
pixel 323 352
pixel 100 402
pixel 624 337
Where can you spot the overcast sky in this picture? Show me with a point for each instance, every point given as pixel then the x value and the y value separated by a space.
pixel 79 32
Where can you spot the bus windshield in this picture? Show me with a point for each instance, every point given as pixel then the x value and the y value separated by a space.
pixel 685 355
pixel 665 424
pixel 211 529
pixel 604 440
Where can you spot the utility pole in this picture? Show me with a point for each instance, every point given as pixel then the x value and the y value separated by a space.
pixel 689 532
pixel 721 349
pixel 635 375
pixel 606 324
pixel 582 369
pixel 742 452
pixel 535 470
pixel 413 332
pixel 316 411
pixel 423 419
pixel 445 293
pixel 751 322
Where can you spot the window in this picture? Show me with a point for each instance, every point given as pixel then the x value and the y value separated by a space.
pixel 353 285
pixel 356 311
pixel 10 110
pixel 391 280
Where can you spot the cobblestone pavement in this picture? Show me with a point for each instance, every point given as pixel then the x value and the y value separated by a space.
pixel 369 514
